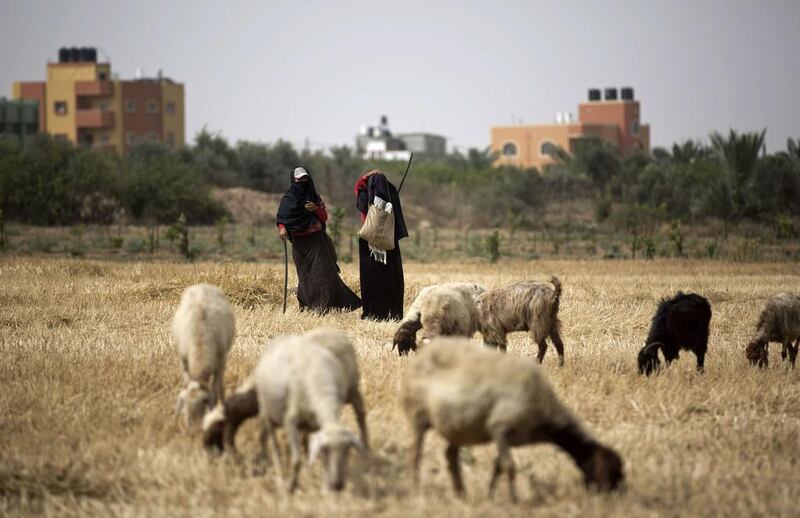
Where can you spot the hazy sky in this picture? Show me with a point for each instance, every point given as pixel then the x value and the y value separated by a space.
pixel 318 70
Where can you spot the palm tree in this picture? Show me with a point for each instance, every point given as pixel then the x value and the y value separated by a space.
pixel 739 156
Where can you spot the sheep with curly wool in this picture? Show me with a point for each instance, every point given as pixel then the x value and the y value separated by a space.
pixel 441 309
pixel 301 384
pixel 779 322
pixel 474 395
pixel 523 306
pixel 679 323
pixel 203 329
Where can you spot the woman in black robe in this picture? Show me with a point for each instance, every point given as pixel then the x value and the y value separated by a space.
pixel 301 219
pixel 382 283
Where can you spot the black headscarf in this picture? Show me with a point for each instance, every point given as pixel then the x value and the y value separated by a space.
pixel 292 212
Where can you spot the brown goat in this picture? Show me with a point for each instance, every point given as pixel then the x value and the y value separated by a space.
pixel 779 322
pixel 523 306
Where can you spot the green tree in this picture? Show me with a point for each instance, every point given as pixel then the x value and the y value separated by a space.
pixel 739 155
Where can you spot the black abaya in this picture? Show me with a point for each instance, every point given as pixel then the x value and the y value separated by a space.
pixel 382 285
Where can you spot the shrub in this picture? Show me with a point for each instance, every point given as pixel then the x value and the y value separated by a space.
pixel 492 244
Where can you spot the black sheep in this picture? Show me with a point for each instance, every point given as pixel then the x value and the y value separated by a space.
pixel 679 323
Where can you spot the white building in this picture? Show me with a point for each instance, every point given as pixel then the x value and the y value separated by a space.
pixel 378 143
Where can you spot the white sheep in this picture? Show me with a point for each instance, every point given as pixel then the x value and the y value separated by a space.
pixel 441 309
pixel 203 328
pixel 473 395
pixel 301 384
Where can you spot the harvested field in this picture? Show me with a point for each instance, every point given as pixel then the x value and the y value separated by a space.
pixel 89 378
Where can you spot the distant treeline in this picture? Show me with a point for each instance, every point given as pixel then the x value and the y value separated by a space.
pixel 49 182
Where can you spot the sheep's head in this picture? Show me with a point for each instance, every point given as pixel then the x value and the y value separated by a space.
pixel 214 428
pixel 603 469
pixel 756 352
pixel 648 358
pixel 405 339
pixel 332 446
pixel 193 401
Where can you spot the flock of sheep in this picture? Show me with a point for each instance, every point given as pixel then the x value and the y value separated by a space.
pixel 469 394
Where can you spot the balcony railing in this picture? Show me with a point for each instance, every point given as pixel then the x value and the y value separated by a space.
pixel 94 119
pixel 93 88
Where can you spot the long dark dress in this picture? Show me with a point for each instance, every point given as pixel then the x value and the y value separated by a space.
pixel 319 286
pixel 382 285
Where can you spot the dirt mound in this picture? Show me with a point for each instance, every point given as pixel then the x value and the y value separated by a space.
pixel 248 206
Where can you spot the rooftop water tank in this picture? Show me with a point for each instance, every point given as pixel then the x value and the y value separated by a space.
pixel 594 94
pixel 63 55
pixel 626 93
pixel 611 94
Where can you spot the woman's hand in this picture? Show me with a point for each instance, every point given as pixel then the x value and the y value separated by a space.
pixel 282 232
pixel 311 206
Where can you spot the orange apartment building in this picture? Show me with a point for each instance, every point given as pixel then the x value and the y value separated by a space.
pixel 82 102
pixel 614 120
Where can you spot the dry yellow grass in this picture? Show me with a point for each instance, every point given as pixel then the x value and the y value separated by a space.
pixel 88 380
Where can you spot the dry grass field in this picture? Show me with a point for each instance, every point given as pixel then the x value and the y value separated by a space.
pixel 88 381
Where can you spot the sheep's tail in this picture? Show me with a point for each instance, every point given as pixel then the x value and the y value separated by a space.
pixel 557 297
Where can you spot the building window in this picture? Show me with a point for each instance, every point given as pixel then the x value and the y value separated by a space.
pixel 102 75
pixel 151 106
pixel 171 138
pixel 547 148
pixel 130 138
pixel 130 106
pixel 634 127
pixel 60 107
pixel 509 149
pixel 170 107
pixel 103 106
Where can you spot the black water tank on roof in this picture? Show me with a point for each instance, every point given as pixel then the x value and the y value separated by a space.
pixel 594 94
pixel 611 94
pixel 93 54
pixel 74 54
pixel 63 55
pixel 84 53
pixel 626 93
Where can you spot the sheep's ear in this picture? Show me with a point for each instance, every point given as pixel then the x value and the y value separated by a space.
pixel 315 443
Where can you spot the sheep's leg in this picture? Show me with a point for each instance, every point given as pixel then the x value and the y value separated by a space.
pixel 791 352
pixel 701 358
pixel 455 469
pixel 295 450
pixel 361 416
pixel 556 338
pixel 542 349
pixel 419 439
pixel 263 439
pixel 219 389
pixel 503 463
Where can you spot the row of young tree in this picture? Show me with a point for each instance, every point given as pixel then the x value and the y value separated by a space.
pixel 49 182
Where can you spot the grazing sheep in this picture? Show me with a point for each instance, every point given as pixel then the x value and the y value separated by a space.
pixel 441 309
pixel 473 395
pixel 679 323
pixel 301 384
pixel 223 421
pixel 522 306
pixel 779 322
pixel 203 329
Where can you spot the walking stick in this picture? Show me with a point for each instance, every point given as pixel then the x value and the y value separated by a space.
pixel 285 274
pixel 408 166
